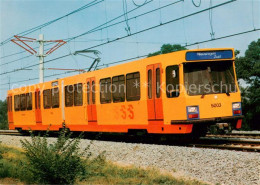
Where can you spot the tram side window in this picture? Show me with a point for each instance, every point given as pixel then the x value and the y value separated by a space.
pixel 93 92
pixel 172 81
pixel 78 95
pixel 35 100
pixel 39 102
pixel 11 103
pixel 158 83
pixel 88 93
pixel 55 97
pixel 69 96
pixel 133 86
pixel 150 84
pixel 39 98
pixel 105 90
pixel 118 88
pixel 23 101
pixel 29 101
pixel 17 102
pixel 47 99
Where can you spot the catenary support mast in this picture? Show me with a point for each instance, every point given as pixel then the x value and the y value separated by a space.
pixel 21 41
pixel 41 58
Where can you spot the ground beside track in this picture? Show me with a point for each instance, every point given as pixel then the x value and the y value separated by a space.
pixel 210 165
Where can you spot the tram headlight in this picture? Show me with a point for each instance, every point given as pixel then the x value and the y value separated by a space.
pixel 237 109
pixel 192 109
pixel 192 112
pixel 236 105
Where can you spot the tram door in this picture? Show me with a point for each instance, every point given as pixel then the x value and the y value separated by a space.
pixel 10 108
pixel 38 113
pixel 154 94
pixel 91 102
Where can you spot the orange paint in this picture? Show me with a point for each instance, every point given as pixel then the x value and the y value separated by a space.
pixel 167 129
pixel 91 107
pixel 123 112
pixel 38 114
pixel 130 111
pixel 154 97
pixel 10 108
pixel 153 114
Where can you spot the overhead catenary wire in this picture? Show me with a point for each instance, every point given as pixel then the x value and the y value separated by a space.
pixel 5 56
pixel 212 33
pixel 97 28
pixel 52 21
pixel 99 40
pixel 40 27
pixel 183 24
pixel 120 61
pixel 106 16
pixel 196 5
pixel 160 11
pixel 9 62
pixel 68 45
pixel 141 31
pixel 159 25
pixel 27 56
pixel 195 43
pixel 220 37
pixel 253 19
pixel 127 29
pixel 139 4
pixel 224 37
pixel 17 53
pixel 24 68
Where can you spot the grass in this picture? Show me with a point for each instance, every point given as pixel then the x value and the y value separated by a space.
pixel 13 164
pixel 13 170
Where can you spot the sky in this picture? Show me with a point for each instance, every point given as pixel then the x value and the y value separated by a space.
pixel 17 16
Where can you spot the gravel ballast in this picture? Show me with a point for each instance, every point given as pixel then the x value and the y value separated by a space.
pixel 210 165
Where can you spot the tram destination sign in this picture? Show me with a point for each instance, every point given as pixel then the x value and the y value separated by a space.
pixel 209 55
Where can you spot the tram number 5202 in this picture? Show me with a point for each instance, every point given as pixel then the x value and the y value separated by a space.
pixel 215 105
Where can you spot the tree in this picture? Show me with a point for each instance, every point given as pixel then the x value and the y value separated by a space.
pixel 248 69
pixel 3 115
pixel 167 48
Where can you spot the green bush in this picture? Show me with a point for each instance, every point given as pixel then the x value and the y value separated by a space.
pixel 4 126
pixel 58 163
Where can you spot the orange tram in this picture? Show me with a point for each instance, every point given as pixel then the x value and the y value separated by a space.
pixel 182 92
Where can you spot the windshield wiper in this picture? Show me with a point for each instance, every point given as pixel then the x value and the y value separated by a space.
pixel 227 93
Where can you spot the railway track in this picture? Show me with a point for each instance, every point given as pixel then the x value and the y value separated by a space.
pixel 225 142
pixel 236 147
pixel 236 135
pixel 238 144
pixel 10 132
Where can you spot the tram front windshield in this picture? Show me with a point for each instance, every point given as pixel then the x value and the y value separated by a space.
pixel 212 77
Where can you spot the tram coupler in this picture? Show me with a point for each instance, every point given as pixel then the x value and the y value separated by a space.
pixel 220 128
